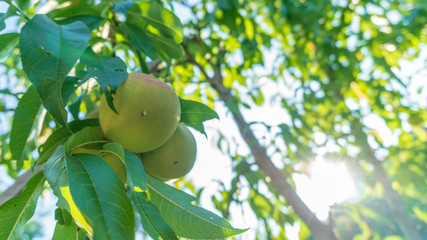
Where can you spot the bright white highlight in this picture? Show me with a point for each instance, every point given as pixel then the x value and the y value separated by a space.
pixel 329 183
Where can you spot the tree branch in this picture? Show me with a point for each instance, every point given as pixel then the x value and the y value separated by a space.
pixel 19 184
pixel 278 179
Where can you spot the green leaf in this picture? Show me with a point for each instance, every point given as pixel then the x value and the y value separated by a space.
pixel 150 216
pixel 135 171
pixel 56 175
pixel 68 232
pixel 2 18
pixel 73 10
pixel 69 86
pixel 139 39
pixel 85 136
pixel 48 52
pixel 304 231
pixel 79 12
pixel 59 136
pixel 62 217
pixel 195 113
pixel 122 7
pixel 23 4
pixel 75 106
pixel 108 72
pixel 26 126
pixel 8 42
pixel 92 22
pixel 151 219
pixel 116 149
pixel 18 210
pixel 100 196
pixel 166 48
pixel 161 19
pixel 184 218
pixel 11 11
pixel 134 168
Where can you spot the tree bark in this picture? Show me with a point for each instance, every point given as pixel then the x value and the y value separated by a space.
pixel 319 230
pixel 19 184
pixel 279 180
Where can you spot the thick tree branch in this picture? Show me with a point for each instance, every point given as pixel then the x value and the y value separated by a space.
pixel 320 230
pixel 19 184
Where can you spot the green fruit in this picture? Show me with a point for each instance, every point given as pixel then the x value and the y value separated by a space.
pixel 149 113
pixel 174 159
pixel 115 162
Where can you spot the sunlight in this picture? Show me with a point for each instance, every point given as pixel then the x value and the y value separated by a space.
pixel 328 183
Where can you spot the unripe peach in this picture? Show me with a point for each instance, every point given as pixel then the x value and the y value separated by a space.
pixel 174 159
pixel 148 113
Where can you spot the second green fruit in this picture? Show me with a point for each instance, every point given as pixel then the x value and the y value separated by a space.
pixel 174 159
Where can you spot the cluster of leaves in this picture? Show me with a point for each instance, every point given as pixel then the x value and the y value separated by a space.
pixel 61 53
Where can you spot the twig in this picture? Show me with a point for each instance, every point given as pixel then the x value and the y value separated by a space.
pixel 152 66
pixel 18 9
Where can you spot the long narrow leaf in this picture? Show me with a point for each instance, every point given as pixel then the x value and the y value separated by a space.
pixel 26 126
pixel 57 177
pixel 135 170
pixel 83 137
pixel 59 136
pixel 186 219
pixel 151 219
pixel 156 15
pixel 18 210
pixel 101 197
pixel 195 113
pixel 8 41
pixel 139 39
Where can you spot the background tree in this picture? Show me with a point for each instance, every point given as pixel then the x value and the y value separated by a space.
pixel 340 60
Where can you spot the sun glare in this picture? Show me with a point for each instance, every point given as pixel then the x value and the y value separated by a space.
pixel 328 183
